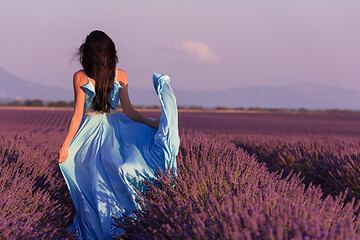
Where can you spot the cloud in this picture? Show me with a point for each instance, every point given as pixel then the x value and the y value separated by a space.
pixel 201 51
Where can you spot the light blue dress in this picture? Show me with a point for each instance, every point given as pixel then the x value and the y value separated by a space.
pixel 111 155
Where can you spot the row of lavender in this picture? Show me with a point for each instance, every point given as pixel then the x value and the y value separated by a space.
pixel 221 193
pixel 330 162
pixel 284 123
pixel 224 193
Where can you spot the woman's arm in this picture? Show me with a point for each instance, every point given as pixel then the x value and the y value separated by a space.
pixel 129 111
pixel 76 117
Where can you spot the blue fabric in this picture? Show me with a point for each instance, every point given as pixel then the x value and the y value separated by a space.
pixel 89 90
pixel 111 155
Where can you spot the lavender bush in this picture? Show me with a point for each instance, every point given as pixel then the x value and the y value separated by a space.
pixel 332 162
pixel 34 201
pixel 223 193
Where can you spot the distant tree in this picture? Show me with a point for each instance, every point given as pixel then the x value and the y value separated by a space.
pixel 196 107
pixel 34 103
pixel 16 103
pixel 222 108
pixel 303 109
pixel 60 104
pixel 255 108
pixel 137 106
pixel 153 107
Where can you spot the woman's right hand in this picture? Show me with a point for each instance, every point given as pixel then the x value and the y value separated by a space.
pixel 63 154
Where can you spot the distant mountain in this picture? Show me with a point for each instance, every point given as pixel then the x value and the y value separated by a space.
pixel 12 87
pixel 309 96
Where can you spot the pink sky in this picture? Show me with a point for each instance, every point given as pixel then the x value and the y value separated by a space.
pixel 203 44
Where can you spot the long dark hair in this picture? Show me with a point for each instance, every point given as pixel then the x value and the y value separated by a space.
pixel 98 57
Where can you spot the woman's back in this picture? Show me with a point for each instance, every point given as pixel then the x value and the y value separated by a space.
pixel 90 92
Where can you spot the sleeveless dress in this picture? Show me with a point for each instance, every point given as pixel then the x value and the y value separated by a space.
pixel 111 155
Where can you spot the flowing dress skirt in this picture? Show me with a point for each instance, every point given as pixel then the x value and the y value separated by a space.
pixel 111 156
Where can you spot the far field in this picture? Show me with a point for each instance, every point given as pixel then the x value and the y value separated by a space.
pixel 217 122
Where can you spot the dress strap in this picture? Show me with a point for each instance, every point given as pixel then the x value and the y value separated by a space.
pixel 88 78
pixel 116 74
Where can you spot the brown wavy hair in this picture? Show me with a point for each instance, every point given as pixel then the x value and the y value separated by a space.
pixel 98 57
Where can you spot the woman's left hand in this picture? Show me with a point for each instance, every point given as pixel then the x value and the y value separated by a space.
pixel 63 154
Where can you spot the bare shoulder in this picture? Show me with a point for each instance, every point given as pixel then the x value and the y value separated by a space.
pixel 80 78
pixel 122 77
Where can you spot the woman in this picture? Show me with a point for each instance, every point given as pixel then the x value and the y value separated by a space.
pixel 106 155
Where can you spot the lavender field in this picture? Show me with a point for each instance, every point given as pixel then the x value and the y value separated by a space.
pixel 249 175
